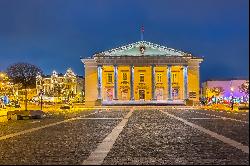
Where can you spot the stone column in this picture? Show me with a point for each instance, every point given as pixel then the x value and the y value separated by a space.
pixel 132 82
pixel 99 81
pixel 153 81
pixel 169 77
pixel 115 81
pixel 185 80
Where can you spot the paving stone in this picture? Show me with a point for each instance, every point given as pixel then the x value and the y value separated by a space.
pixel 150 137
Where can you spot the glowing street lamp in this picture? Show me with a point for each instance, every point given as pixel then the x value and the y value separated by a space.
pixel 232 90
pixel 41 95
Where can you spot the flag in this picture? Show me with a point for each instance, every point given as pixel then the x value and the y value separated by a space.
pixel 142 32
pixel 142 29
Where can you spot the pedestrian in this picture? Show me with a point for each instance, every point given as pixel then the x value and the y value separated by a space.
pixel 232 103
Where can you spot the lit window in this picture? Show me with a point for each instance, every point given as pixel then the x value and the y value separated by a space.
pixel 159 77
pixel 141 77
pixel 174 77
pixel 124 75
pixel 109 78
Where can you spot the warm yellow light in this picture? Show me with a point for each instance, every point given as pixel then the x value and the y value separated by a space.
pixel 232 89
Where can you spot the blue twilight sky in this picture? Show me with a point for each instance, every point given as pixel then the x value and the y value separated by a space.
pixel 53 34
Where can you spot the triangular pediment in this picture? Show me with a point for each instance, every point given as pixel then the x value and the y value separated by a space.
pixel 142 48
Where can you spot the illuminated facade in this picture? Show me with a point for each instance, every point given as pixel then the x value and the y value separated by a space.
pixel 7 88
pixel 68 84
pixel 141 73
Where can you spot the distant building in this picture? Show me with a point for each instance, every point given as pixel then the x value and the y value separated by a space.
pixel 141 73
pixel 66 85
pixel 7 88
pixel 225 89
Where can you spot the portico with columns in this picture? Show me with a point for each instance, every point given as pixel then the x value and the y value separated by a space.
pixel 141 73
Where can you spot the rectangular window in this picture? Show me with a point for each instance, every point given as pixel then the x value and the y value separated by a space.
pixel 174 78
pixel 192 94
pixel 159 76
pixel 141 77
pixel 109 78
pixel 124 75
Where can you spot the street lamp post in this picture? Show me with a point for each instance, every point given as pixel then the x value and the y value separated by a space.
pixel 41 95
pixel 232 90
pixel 232 100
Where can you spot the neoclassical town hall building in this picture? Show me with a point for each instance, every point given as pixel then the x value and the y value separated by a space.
pixel 141 73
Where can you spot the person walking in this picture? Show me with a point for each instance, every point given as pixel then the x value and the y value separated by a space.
pixel 232 103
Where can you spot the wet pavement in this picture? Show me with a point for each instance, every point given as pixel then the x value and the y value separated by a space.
pixel 149 137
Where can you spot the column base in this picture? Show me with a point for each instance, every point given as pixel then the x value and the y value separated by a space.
pixel 98 102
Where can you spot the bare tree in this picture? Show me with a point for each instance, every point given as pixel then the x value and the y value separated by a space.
pixel 24 74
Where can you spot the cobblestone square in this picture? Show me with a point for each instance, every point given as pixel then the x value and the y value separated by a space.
pixel 146 136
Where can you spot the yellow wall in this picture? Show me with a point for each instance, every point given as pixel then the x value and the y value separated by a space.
pixel 123 85
pixel 163 71
pixel 147 82
pixel 178 71
pixel 91 91
pixel 105 84
pixel 193 81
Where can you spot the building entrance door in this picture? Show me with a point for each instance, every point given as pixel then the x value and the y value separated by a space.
pixel 141 94
pixel 159 93
pixel 175 93
pixel 109 94
pixel 124 94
